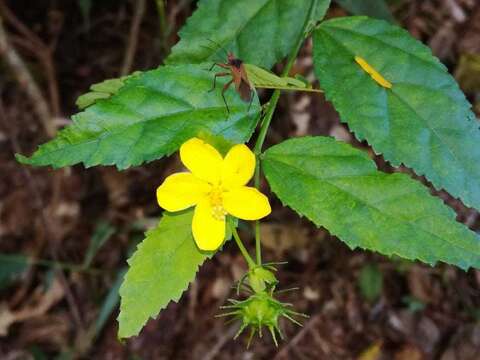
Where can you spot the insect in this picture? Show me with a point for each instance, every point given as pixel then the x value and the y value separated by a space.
pixel 239 76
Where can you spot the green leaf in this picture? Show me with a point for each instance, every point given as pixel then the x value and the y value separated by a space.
pixel 413 304
pixel 103 90
pixel 374 8
pixel 102 233
pixel 423 121
pixel 149 117
pixel 11 267
pixel 85 8
pixel 338 187
pixel 90 98
pixel 109 304
pixel 160 270
pixel 370 282
pixel 261 32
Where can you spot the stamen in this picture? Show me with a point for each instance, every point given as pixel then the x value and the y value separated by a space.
pixel 219 213
pixel 216 200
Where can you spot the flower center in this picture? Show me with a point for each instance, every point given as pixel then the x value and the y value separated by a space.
pixel 216 200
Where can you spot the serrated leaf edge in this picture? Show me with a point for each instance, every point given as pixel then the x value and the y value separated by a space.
pixel 359 135
pixel 451 212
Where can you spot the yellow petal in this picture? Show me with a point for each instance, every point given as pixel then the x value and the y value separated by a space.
pixel 238 166
pixel 208 231
pixel 246 203
pixel 202 159
pixel 181 191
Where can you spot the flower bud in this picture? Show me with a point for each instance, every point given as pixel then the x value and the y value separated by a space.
pixel 260 279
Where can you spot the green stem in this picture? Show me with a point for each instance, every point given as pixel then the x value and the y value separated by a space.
pixel 268 118
pixel 276 94
pixel 163 25
pixel 258 242
pixel 243 250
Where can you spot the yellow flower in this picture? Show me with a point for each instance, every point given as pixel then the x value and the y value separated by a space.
pixel 216 187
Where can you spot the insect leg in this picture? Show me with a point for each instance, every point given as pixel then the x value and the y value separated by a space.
pixel 250 103
pixel 220 65
pixel 225 88
pixel 215 79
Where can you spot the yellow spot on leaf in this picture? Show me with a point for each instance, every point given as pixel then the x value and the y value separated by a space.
pixel 379 79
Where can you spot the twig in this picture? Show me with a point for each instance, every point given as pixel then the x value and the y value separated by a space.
pixel 300 335
pixel 37 47
pixel 26 81
pixel 222 340
pixel 49 233
pixel 11 19
pixel 163 26
pixel 133 37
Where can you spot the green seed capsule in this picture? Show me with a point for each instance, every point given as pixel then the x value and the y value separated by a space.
pixel 258 311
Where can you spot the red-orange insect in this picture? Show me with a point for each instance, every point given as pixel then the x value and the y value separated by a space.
pixel 239 78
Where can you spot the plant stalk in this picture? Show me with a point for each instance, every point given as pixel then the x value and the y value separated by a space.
pixel 243 250
pixel 268 119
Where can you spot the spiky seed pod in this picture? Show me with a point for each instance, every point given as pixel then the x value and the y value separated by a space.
pixel 258 311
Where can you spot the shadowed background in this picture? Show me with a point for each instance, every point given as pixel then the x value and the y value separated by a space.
pixel 65 235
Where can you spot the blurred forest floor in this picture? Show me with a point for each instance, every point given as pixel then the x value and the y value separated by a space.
pixel 65 235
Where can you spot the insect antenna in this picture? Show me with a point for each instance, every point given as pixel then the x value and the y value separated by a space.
pixel 218 46
pixel 213 51
pixel 250 102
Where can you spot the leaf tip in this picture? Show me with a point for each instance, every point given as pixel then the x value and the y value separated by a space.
pixel 126 329
pixel 23 159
